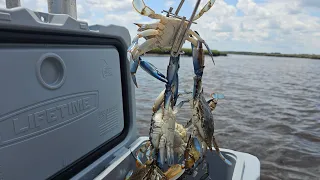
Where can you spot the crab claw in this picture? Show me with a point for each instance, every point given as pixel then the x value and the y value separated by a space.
pixel 134 79
pixel 223 158
pixel 194 152
pixel 153 71
pixel 138 24
pixel 143 150
pixel 133 69
pixel 171 78
pixel 196 34
pixel 197 145
pixel 141 7
pixel 141 26
pixel 217 96
pixel 212 104
pixel 219 152
pixel 209 51
pixel 174 172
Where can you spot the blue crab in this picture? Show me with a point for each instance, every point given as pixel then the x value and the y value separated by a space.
pixel 202 118
pixel 203 122
pixel 161 35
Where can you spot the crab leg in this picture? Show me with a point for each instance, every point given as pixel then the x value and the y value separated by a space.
pixel 179 106
pixel 149 68
pixel 159 100
pixel 219 152
pixel 143 27
pixel 134 45
pixel 202 41
pixel 176 89
pixel 162 147
pixel 204 9
pixel 193 41
pixel 171 74
pixel 134 52
pixel 198 66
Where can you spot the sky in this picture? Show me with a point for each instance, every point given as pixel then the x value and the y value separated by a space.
pixel 286 26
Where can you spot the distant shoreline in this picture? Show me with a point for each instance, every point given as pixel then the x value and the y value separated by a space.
pixel 188 52
pixel 308 56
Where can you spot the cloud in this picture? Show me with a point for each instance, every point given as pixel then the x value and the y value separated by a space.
pixel 105 13
pixel 118 5
pixel 286 26
pixel 272 24
pixel 250 8
pixel 169 3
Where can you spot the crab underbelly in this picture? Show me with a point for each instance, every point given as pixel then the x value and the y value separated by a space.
pixel 158 121
pixel 167 39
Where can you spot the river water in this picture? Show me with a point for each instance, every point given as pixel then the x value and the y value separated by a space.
pixel 271 108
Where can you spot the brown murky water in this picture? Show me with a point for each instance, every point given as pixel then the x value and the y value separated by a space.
pixel 271 109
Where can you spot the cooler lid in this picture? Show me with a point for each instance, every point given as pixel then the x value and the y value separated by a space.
pixel 66 95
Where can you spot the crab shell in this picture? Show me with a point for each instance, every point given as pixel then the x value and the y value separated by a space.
pixel 205 122
pixel 161 35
